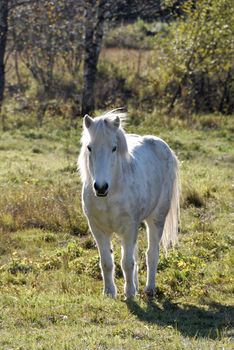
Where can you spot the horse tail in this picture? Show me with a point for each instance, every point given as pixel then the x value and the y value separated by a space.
pixel 170 231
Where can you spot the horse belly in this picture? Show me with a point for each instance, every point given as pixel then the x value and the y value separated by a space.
pixel 144 191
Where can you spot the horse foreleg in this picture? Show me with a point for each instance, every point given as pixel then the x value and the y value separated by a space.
pixel 129 265
pixel 154 233
pixel 107 262
pixel 136 267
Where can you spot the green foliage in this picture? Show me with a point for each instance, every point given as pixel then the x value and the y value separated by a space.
pixel 111 88
pixel 18 265
pixel 198 73
pixel 63 257
pixel 188 70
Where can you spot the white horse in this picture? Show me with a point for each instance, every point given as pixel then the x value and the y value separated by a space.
pixel 128 179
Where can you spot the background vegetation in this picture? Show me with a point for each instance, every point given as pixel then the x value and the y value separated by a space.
pixel 170 63
pixel 67 58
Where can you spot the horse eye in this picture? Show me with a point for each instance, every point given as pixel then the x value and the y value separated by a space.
pixel 89 148
pixel 114 149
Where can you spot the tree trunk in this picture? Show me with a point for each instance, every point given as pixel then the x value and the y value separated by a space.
pixel 3 38
pixel 16 56
pixel 94 22
pixel 225 92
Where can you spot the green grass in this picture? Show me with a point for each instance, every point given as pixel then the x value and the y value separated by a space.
pixel 50 283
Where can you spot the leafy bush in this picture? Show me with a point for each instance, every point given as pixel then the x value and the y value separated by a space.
pixel 111 86
pixel 194 66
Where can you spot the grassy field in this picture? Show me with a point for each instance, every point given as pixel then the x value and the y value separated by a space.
pixel 50 283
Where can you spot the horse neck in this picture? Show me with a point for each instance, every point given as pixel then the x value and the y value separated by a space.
pixel 121 170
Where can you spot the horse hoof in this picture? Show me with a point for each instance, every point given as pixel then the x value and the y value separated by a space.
pixel 130 294
pixel 150 292
pixel 110 292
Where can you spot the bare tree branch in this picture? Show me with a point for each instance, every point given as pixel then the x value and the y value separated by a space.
pixel 13 5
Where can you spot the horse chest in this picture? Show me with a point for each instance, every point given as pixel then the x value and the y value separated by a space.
pixel 110 216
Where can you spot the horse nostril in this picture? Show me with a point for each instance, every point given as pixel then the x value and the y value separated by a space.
pixel 101 190
pixel 95 186
pixel 105 187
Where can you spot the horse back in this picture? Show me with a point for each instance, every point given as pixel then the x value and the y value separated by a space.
pixel 150 148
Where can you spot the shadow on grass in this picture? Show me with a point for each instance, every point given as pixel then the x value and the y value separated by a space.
pixel 188 319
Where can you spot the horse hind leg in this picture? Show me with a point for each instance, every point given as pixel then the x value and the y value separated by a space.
pixel 154 234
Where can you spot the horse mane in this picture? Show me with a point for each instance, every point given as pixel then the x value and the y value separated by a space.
pixel 103 125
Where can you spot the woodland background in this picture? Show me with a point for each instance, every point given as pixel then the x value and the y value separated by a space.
pixel 68 58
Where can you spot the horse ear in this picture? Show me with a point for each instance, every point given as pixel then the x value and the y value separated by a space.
pixel 88 121
pixel 112 122
pixel 116 122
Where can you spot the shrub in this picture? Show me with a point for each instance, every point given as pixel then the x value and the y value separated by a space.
pixel 194 65
pixel 110 86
